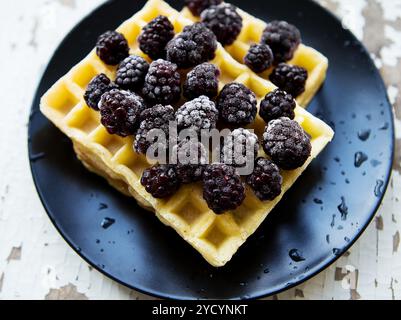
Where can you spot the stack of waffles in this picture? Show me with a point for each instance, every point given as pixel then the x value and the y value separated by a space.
pixel 215 237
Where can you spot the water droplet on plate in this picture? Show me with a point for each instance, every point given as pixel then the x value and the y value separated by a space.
pixel 296 255
pixel 375 163
pixel 385 126
pixel 107 222
pixel 379 188
pixel 37 156
pixel 102 206
pixel 360 158
pixel 333 221
pixel 342 207
pixel 364 135
pixel 317 201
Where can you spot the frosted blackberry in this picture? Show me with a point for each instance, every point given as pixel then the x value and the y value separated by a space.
pixel 119 111
pixel 222 188
pixel 202 80
pixel 197 114
pixel 131 72
pixel 277 104
pixel 155 36
pixel 237 104
pixel 161 180
pixel 194 45
pixel 112 47
pixel 283 38
pixel 259 57
pixel 240 148
pixel 287 144
pixel 157 117
pixel 99 85
pixel 291 79
pixel 191 160
pixel 162 83
pixel 224 21
pixel 197 6
pixel 265 180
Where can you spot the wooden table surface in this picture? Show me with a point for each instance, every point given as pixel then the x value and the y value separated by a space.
pixel 36 263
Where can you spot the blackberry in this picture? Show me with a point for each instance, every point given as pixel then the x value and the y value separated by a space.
pixel 194 45
pixel 283 38
pixel 240 147
pixel 265 180
pixel 112 47
pixel 222 188
pixel 277 104
pixel 259 57
pixel 161 180
pixel 119 111
pixel 155 36
pixel 291 79
pixel 287 144
pixel 162 83
pixel 131 72
pixel 197 6
pixel 99 85
pixel 200 113
pixel 202 80
pixel 191 160
pixel 157 117
pixel 237 104
pixel 224 21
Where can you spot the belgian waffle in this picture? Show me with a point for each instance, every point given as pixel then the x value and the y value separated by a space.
pixel 216 237
pixel 313 61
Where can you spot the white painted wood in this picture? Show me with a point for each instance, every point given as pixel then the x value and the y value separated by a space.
pixel 36 263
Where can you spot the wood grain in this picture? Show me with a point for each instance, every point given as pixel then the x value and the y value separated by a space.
pixel 36 263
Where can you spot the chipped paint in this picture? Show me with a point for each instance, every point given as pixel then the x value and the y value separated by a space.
pixel 355 295
pixel 392 53
pixel 299 293
pixel 15 254
pixel 339 275
pixel 392 9
pixel 396 241
pixel 373 32
pixel 32 42
pixel 392 92
pixel 1 281
pixel 350 13
pixel 68 292
pixel 67 3
pixel 379 223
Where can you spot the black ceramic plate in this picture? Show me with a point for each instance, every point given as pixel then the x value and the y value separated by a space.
pixel 321 216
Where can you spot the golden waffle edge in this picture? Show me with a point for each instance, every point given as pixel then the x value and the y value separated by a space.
pixel 216 237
